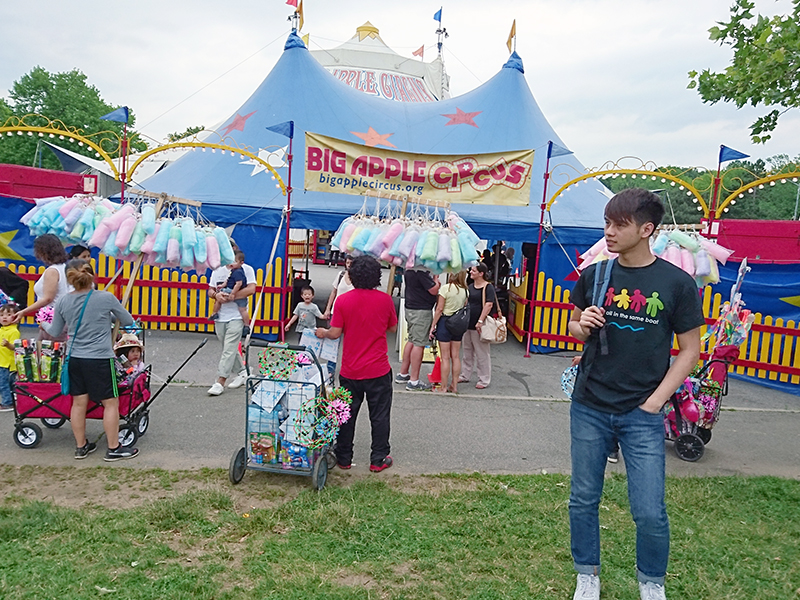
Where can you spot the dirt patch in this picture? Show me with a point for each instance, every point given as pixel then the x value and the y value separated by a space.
pixel 114 487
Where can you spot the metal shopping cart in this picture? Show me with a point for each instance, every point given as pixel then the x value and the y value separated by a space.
pixel 287 429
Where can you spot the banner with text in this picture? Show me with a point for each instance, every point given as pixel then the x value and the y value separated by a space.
pixel 342 167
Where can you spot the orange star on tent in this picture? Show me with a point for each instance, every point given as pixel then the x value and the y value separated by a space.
pixel 373 138
pixel 462 118
pixel 237 124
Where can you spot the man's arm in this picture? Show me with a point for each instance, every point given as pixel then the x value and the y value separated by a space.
pixel 433 291
pixel 246 291
pixel 334 333
pixel 582 322
pixel 685 361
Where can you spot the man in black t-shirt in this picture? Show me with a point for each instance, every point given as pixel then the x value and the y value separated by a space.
pixel 624 379
pixel 422 290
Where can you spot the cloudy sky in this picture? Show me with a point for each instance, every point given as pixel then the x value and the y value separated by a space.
pixel 610 75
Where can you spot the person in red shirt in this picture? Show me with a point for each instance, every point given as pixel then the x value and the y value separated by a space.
pixel 364 316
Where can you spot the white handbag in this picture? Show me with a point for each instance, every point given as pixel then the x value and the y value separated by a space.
pixel 495 329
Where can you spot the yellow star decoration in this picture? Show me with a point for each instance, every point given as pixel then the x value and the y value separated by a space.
pixel 5 246
pixel 793 300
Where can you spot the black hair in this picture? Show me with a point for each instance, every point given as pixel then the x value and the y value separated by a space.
pixel 77 250
pixel 635 204
pixel 365 273
pixel 238 255
pixel 484 270
pixel 306 287
pixel 9 306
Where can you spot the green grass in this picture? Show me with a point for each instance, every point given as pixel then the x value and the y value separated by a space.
pixel 478 537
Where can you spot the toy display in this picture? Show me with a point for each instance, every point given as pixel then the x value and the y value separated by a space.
pixel 420 238
pixel 686 250
pixel 125 231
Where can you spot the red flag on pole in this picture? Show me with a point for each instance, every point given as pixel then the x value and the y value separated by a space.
pixel 292 3
pixel 420 52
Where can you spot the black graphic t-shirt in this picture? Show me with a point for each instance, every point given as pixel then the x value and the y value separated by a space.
pixel 644 307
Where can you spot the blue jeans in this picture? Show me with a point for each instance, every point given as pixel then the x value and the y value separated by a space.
pixel 7 379
pixel 641 438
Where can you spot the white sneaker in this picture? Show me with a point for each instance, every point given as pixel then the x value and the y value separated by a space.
pixel 238 381
pixel 588 587
pixel 652 591
pixel 216 389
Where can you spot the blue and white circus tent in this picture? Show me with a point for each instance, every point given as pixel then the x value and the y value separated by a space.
pixel 502 115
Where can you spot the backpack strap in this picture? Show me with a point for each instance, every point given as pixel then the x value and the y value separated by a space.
pixel 602 277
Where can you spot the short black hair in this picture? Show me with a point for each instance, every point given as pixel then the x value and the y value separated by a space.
pixel 9 306
pixel 77 250
pixel 635 204
pixel 238 255
pixel 306 287
pixel 365 273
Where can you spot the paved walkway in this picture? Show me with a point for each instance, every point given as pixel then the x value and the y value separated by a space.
pixel 520 424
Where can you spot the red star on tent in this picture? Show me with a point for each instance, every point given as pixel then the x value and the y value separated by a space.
pixel 462 118
pixel 237 124
pixel 373 138
pixel 574 274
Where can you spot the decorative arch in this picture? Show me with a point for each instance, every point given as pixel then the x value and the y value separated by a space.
pixel 57 129
pixel 739 192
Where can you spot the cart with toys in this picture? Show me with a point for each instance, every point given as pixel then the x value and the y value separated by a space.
pixel 694 409
pixel 38 393
pixel 291 420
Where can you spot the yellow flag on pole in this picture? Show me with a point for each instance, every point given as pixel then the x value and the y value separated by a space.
pixel 511 35
pixel 305 39
pixel 300 14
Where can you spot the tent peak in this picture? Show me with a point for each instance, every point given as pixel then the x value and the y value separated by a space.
pixel 294 41
pixel 514 62
pixel 367 30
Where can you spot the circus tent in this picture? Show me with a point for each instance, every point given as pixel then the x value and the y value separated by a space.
pixel 500 115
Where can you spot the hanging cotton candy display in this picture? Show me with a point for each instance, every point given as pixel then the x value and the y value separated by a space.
pixel 226 255
pixel 150 240
pixel 137 239
pixel 148 218
pixel 110 247
pixel 162 238
pixel 200 250
pixel 212 251
pixel 187 235
pixel 337 237
pixel 174 246
pixel 125 231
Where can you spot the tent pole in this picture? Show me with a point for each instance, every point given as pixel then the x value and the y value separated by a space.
pixel 281 332
pixel 538 250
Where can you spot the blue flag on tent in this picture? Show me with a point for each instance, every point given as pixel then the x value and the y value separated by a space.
pixel 120 115
pixel 438 16
pixel 726 154
pixel 554 149
pixel 286 129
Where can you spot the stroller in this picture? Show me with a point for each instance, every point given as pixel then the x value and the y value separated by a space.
pixel 694 408
pixel 44 400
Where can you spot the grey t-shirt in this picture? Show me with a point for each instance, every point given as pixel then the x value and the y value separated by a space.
pixel 94 336
pixel 307 315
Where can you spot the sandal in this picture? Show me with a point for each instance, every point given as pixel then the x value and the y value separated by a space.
pixel 462 380
pixel 481 386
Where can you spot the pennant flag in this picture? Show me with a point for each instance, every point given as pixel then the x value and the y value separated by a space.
pixel 512 34
pixel 292 3
pixel 286 129
pixel 120 115
pixel 554 150
pixel 419 52
pixel 305 39
pixel 726 154
pixel 300 13
pixel 438 16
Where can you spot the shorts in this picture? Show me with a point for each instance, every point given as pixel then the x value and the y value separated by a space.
pixel 419 326
pixel 443 334
pixel 239 301
pixel 94 376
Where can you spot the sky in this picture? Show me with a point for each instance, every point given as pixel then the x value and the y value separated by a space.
pixel 609 75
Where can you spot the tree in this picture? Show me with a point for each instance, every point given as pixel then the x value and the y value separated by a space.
pixel 65 97
pixel 764 69
pixel 189 132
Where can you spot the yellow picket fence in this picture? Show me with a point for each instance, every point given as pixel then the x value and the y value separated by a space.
pixel 771 352
pixel 171 300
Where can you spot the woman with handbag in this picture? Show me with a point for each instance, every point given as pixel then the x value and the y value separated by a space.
pixel 450 322
pixel 89 365
pixel 476 351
